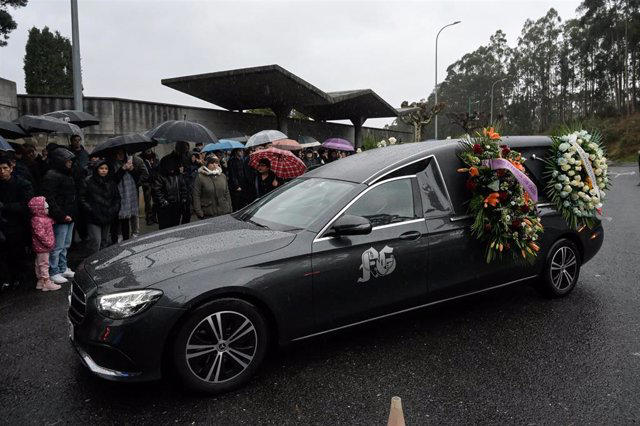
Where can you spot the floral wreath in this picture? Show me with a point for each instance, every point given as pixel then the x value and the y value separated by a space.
pixel 503 198
pixel 576 172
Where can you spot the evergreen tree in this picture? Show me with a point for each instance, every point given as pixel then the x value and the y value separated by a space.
pixel 7 24
pixel 48 66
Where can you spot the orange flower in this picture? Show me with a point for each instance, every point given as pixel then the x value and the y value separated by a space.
pixel 526 198
pixel 517 165
pixel 492 199
pixel 589 182
pixel 534 246
pixel 473 171
pixel 493 135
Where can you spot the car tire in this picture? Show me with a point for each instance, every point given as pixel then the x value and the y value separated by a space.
pixel 561 270
pixel 220 346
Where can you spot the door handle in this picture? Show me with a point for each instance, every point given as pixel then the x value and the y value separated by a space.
pixel 410 236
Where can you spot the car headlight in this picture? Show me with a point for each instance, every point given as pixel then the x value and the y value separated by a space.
pixel 126 304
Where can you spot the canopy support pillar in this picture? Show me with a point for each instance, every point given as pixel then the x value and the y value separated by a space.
pixel 357 131
pixel 282 113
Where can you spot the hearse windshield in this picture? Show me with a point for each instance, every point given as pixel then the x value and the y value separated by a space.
pixel 297 204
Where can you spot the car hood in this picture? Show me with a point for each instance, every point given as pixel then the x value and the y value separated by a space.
pixel 166 254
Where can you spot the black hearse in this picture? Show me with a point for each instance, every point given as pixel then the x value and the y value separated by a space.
pixel 363 238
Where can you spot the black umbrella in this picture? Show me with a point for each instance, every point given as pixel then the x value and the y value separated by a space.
pixel 133 142
pixel 182 130
pixel 44 124
pixel 11 130
pixel 79 118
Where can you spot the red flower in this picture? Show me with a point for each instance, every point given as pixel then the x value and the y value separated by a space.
pixel 501 172
pixel 505 150
pixel 477 149
pixel 487 227
pixel 524 208
pixel 503 195
pixel 471 185
pixel 516 224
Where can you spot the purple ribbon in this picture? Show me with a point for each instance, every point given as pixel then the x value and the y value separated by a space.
pixel 527 184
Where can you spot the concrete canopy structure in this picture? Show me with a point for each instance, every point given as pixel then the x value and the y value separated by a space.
pixel 273 87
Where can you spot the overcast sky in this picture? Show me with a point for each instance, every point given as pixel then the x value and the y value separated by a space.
pixel 127 47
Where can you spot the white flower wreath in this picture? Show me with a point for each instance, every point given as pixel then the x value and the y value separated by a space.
pixel 577 176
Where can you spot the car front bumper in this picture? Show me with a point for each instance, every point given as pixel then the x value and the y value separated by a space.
pixel 130 349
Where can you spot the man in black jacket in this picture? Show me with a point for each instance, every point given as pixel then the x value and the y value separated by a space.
pixel 241 180
pixel 15 193
pixel 59 188
pixel 169 192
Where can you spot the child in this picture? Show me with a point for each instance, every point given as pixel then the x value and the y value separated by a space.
pixel 43 242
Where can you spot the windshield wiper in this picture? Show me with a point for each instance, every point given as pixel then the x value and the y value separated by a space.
pixel 257 224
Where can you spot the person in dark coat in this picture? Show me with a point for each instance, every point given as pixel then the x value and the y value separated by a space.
pixel 169 192
pixel 76 148
pixel 15 194
pixel 266 180
pixel 151 163
pixel 210 190
pixel 241 180
pixel 310 160
pixel 59 188
pixel 100 202
pixel 124 174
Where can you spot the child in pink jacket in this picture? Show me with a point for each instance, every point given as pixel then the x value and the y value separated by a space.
pixel 43 241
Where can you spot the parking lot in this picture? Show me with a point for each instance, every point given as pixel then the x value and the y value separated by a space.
pixel 508 356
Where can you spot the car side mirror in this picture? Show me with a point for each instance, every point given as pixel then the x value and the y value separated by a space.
pixel 351 225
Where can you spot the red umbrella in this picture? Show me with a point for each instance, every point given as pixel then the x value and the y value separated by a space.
pixel 283 163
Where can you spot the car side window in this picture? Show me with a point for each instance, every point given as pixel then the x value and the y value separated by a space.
pixel 387 203
pixel 435 201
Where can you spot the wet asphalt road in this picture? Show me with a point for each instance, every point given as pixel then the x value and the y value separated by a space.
pixel 509 356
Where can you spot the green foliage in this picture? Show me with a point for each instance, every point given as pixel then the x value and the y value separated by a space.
pixel 369 142
pixel 48 68
pixel 7 24
pixel 557 72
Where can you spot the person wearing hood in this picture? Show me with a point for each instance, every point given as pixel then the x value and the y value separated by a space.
pixel 169 192
pixel 210 190
pixel 43 241
pixel 100 202
pixel 59 188
pixel 15 193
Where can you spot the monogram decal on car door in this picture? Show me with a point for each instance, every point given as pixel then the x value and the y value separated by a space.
pixel 377 264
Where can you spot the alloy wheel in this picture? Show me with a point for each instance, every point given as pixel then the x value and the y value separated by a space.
pixel 221 346
pixel 564 266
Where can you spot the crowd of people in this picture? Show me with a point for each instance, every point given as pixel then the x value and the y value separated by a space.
pixel 63 195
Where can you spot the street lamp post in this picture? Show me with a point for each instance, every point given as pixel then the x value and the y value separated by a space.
pixel 75 55
pixel 436 87
pixel 492 86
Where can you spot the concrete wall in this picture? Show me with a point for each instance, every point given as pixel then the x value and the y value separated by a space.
pixel 8 100
pixel 119 116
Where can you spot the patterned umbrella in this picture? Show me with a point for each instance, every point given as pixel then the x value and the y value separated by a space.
pixel 134 142
pixel 284 164
pixel 338 144
pixel 11 130
pixel 287 144
pixel 223 145
pixel 264 137
pixel 79 118
pixel 181 130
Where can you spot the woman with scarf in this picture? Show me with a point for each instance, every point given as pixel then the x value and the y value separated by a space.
pixel 128 191
pixel 210 190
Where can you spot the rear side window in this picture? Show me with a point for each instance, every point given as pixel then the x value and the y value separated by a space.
pixel 435 202
pixel 387 203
